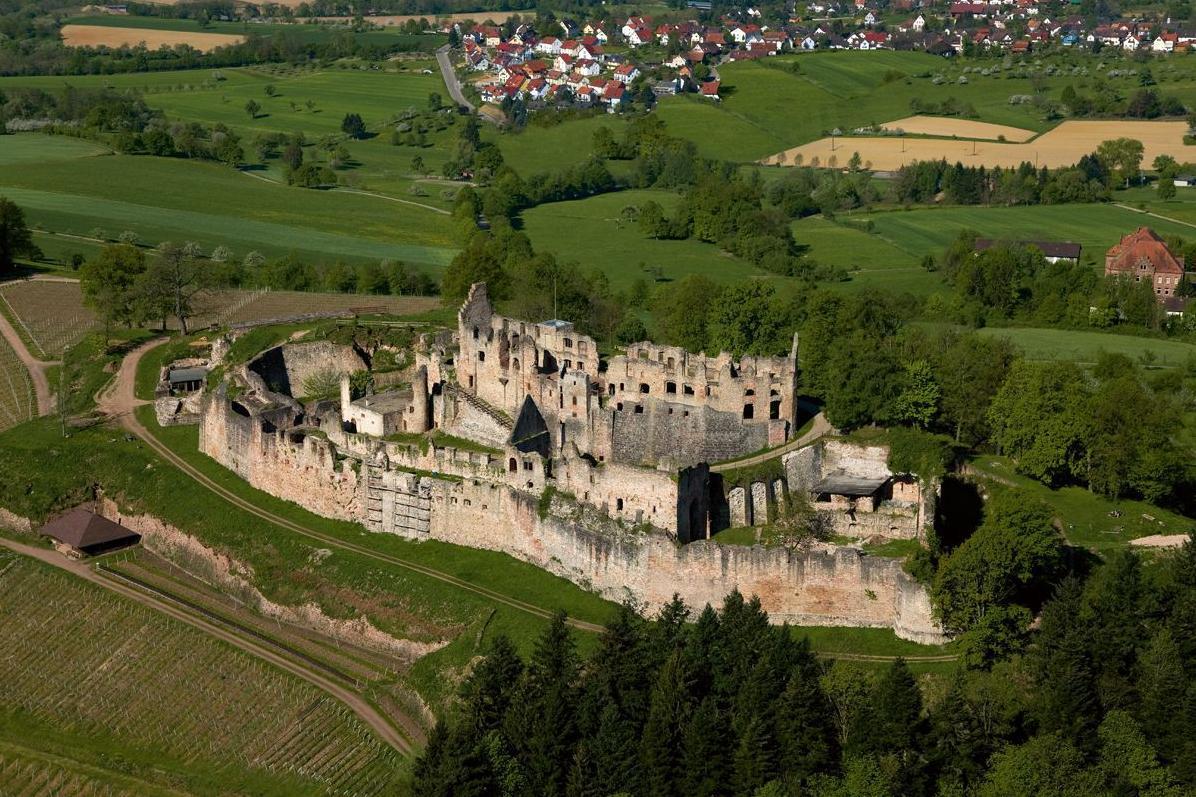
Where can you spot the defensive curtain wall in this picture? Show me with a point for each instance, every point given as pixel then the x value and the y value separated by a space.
pixel 617 527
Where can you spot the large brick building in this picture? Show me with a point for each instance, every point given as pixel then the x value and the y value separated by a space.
pixel 1143 255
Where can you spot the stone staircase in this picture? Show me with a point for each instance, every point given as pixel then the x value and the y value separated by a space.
pixel 482 406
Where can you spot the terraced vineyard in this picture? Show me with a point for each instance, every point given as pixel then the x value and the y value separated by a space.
pixel 50 313
pixel 245 307
pixel 76 656
pixel 17 403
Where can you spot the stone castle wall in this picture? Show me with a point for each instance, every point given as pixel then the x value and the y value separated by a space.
pixel 289 367
pixel 825 586
pixel 666 433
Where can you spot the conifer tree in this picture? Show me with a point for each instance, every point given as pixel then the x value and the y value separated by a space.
pixel 755 758
pixel 489 689
pixel 706 762
pixel 1064 673
pixel 805 731
pixel 668 712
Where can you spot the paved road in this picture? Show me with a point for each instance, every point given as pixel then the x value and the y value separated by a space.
pixel 361 707
pixel 821 426
pixel 450 78
pixel 35 367
pixel 119 401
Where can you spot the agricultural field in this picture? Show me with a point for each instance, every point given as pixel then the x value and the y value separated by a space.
pixel 28 773
pixel 945 126
pixel 51 314
pixel 299 31
pixel 150 38
pixel 76 656
pixel 1062 146
pixel 870 260
pixel 592 233
pixel 17 402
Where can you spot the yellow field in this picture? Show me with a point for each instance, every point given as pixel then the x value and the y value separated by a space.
pixel 961 128
pixel 103 36
pixel 1063 146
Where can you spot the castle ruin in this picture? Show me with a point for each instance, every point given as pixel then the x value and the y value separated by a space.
pixel 517 437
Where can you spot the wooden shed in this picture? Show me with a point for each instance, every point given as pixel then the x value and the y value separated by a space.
pixel 84 533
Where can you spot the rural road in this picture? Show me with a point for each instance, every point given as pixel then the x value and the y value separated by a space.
pixel 450 78
pixel 35 367
pixel 361 707
pixel 1155 215
pixel 821 426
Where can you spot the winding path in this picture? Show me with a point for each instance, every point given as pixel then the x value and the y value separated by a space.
pixel 359 705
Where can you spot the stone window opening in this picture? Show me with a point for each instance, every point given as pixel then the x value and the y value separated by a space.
pixel 644 388
pixel 642 354
pixel 685 413
pixel 639 409
pixel 749 392
pixel 475 333
pixel 611 389
pixel 774 410
pixel 670 387
pixel 707 391
pixel 568 343
pixel 620 386
pixel 512 465
pixel 619 406
pixel 575 401
pixel 672 363
pixel 687 390
pixel 749 411
pixel 481 356
pixel 530 486
pixel 528 465
pixel 515 363
pixel 619 504
pixel 670 410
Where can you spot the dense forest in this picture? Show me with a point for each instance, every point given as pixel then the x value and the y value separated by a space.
pixel 1099 701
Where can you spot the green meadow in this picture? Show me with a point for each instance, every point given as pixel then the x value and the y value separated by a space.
pixel 1084 346
pixel 591 233
pixel 173 199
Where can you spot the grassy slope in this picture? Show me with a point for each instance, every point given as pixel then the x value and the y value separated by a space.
pixel 1087 518
pixel 173 199
pixel 1083 346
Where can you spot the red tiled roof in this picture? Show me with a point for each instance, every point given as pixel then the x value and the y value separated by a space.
pixel 1142 244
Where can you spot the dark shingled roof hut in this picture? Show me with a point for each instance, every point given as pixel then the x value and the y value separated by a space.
pixel 89 533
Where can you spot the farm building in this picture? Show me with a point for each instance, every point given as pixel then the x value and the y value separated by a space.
pixel 81 532
pixel 1052 251
pixel 1144 255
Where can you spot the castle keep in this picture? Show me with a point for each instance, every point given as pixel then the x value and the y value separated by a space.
pixel 516 436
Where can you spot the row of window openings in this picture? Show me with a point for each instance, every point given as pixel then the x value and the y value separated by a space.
pixel 581 344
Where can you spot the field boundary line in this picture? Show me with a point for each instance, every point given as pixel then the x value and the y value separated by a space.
pixel 1155 215
pixel 357 191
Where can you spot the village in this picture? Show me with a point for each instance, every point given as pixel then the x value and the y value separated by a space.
pixel 597 63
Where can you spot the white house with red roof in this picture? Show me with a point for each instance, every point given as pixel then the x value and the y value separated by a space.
pixel 626 73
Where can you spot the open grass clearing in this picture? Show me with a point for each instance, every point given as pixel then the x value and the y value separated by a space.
pixel 301 31
pixel 152 39
pixel 1087 519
